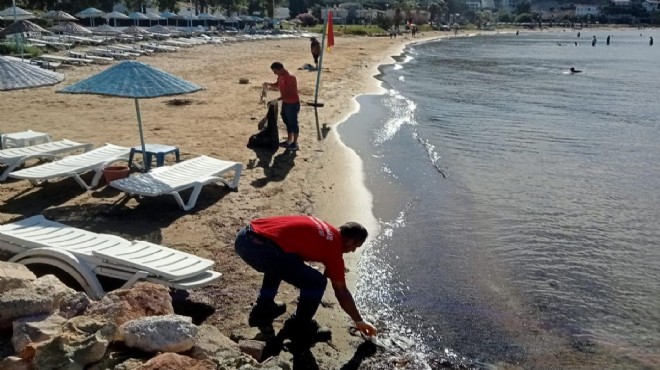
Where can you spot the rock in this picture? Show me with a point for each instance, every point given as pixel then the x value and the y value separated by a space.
pixel 14 276
pixel 141 300
pixel 68 301
pixel 86 325
pixel 35 329
pixel 68 352
pixel 253 348
pixel 15 363
pixel 22 302
pixel 117 361
pixel 83 341
pixel 173 361
pixel 211 344
pixel 169 333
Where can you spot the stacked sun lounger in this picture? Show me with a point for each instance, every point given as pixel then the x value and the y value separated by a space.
pixel 84 255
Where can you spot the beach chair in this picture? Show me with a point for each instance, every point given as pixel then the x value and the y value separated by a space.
pixel 14 157
pixel 74 166
pixel 81 255
pixel 191 174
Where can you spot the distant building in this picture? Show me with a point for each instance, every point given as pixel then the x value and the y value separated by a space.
pixel 582 10
pixel 339 15
pixel 488 5
pixel 507 5
pixel 651 5
pixel 474 5
pixel 369 15
pixel 282 13
pixel 622 3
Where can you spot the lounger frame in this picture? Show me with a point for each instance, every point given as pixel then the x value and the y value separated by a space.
pixel 85 255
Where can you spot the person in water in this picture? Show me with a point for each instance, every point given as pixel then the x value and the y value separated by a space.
pixel 593 42
pixel 651 41
pixel 573 70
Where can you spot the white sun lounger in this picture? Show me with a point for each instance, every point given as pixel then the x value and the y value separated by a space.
pixel 193 173
pixel 82 255
pixel 75 165
pixel 14 157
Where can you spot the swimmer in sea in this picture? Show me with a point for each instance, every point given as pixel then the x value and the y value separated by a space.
pixel 573 70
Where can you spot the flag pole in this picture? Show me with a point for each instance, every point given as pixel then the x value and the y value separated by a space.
pixel 318 74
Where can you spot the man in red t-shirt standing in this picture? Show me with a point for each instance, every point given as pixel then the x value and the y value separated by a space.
pixel 279 247
pixel 288 86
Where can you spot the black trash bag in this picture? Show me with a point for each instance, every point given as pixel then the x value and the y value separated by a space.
pixel 268 136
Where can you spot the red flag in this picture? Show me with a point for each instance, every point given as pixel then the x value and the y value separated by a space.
pixel 330 31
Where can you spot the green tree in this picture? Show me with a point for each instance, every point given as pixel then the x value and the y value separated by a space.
pixel 523 7
pixel 172 5
pixel 297 7
pixel 505 18
pixel 524 18
pixel 397 17
pixel 384 21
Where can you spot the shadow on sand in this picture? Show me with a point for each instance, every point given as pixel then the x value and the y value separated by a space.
pixel 144 221
pixel 277 170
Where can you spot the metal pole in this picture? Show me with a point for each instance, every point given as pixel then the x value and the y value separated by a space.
pixel 191 10
pixel 318 75
pixel 144 147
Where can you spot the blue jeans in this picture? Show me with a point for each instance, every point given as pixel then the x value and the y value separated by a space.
pixel 267 257
pixel 290 117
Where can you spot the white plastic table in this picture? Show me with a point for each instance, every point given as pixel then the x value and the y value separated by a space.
pixel 25 138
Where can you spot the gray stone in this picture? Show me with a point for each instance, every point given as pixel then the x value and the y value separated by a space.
pixel 169 333
pixel 22 302
pixel 69 352
pixel 65 299
pixel 35 329
pixel 173 361
pixel 14 276
pixel 211 344
pixel 253 348
pixel 141 300
pixel 15 363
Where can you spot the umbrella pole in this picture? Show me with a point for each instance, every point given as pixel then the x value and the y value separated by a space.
pixel 144 148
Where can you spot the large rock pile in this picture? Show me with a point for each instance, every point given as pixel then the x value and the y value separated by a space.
pixel 52 326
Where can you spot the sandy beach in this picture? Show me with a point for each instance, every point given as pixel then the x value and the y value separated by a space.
pixel 323 178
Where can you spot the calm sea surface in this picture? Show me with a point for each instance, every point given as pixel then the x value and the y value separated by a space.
pixel 519 204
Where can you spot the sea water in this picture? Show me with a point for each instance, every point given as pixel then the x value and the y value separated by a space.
pixel 519 203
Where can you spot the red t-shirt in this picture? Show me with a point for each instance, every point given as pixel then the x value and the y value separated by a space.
pixel 288 86
pixel 308 237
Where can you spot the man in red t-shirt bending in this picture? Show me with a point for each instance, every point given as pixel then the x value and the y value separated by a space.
pixel 279 247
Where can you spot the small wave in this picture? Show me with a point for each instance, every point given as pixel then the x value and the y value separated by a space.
pixel 403 112
pixel 402 346
pixel 433 155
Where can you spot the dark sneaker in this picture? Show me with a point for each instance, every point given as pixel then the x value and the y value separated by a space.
pixel 293 147
pixel 306 331
pixel 284 144
pixel 264 314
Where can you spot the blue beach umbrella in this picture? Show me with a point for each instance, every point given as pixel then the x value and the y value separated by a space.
pixel 16 13
pixel 132 79
pixel 167 15
pixel 206 17
pixel 153 17
pixel 116 15
pixel 137 17
pixel 91 13
pixel 15 74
